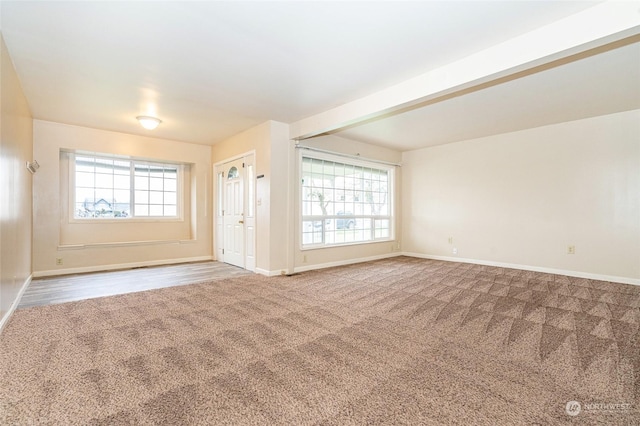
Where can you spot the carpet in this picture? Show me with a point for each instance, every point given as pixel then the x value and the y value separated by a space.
pixel 395 341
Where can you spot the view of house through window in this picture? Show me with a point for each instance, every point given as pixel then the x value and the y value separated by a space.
pixel 107 187
pixel 345 202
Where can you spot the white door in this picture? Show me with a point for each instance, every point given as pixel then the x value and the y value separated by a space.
pixel 233 213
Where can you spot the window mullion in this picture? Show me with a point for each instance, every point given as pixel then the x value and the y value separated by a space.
pixel 132 188
pixel 164 205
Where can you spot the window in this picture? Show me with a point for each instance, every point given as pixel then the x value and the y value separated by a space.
pixel 344 201
pixel 111 187
pixel 233 173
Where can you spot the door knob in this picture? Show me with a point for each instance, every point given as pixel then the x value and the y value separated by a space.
pixel 241 221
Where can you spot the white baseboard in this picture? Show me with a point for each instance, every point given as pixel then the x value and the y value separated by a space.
pixel 101 268
pixel 344 262
pixel 268 273
pixel 577 274
pixel 305 268
pixel 5 319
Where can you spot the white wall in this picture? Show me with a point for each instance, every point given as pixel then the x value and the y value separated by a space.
pixel 522 198
pixel 90 246
pixel 16 148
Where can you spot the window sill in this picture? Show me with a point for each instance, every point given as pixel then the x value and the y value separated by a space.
pixel 94 221
pixel 63 247
pixel 359 243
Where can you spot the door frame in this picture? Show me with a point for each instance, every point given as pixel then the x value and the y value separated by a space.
pixel 218 237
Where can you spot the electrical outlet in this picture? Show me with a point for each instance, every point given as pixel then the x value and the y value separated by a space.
pixel 59 261
pixel 450 240
pixel 571 250
pixel 304 259
pixel 455 250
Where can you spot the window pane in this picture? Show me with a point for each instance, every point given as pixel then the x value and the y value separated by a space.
pixel 142 197
pixel 306 165
pixel 104 180
pixel 122 195
pixel 312 232
pixel 142 210
pixel 170 185
pixel 85 166
pixel 142 170
pixel 122 168
pixel 105 194
pixel 121 209
pixel 141 182
pixel 155 197
pixel 86 180
pixel 84 195
pixel 170 198
pixel 382 228
pixel 155 184
pixel 121 182
pixel 156 210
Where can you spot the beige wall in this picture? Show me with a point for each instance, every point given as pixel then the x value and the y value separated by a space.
pixel 16 148
pixel 280 197
pixel 522 198
pixel 89 246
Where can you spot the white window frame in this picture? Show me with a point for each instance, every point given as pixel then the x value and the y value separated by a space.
pixel 346 160
pixel 180 188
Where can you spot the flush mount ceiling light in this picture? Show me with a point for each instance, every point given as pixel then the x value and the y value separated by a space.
pixel 147 122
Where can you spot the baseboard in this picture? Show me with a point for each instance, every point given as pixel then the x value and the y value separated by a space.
pixel 344 262
pixel 102 268
pixel 268 273
pixel 5 319
pixel 577 274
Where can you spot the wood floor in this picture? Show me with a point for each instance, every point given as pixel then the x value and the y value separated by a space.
pixel 69 288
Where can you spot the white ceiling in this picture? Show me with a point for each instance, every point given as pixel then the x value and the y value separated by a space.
pixel 212 69
pixel 598 85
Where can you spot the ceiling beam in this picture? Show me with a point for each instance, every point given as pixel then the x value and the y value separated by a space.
pixel 605 24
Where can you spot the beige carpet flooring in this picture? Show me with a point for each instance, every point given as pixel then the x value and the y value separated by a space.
pixel 396 341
